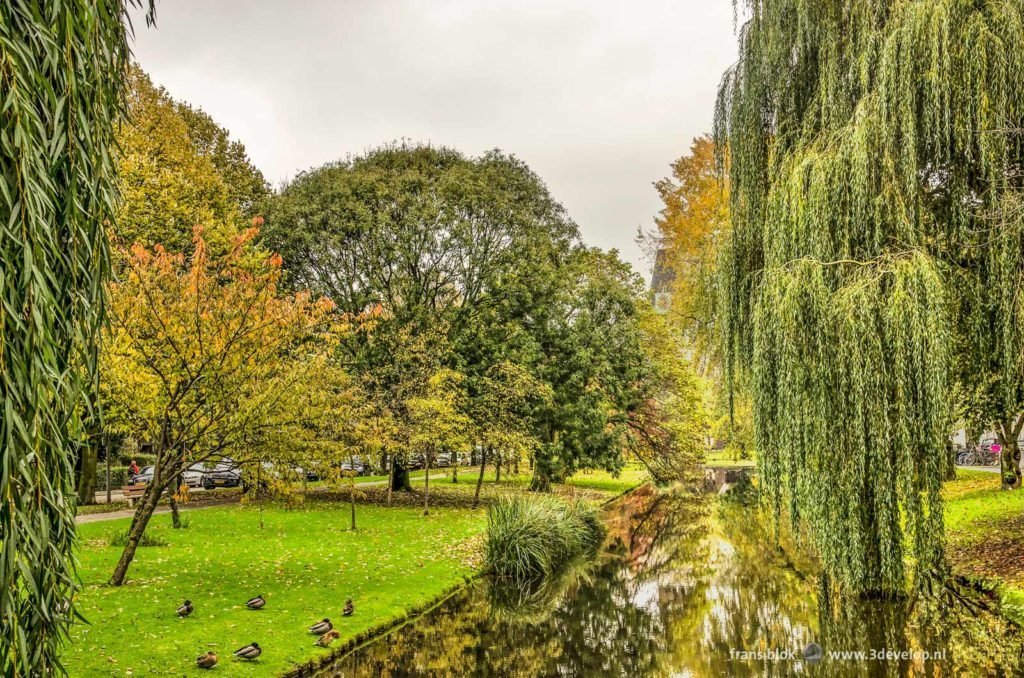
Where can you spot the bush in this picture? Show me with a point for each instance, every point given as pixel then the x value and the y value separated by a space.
pixel 119 539
pixel 125 456
pixel 118 477
pixel 530 537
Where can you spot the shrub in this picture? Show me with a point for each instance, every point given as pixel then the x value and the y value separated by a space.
pixel 118 477
pixel 119 539
pixel 530 537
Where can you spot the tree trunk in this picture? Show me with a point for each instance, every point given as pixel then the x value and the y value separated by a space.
pixel 480 478
pixel 352 490
pixel 426 485
pixel 391 477
pixel 541 481
pixel 400 477
pixel 455 466
pixel 138 527
pixel 497 468
pixel 949 471
pixel 109 450
pixel 175 485
pixel 1009 432
pixel 88 455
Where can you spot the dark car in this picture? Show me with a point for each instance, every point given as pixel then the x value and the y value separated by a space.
pixel 224 474
pixel 311 475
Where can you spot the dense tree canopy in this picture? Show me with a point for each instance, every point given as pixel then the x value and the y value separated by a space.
pixel 479 271
pixel 456 251
pixel 871 146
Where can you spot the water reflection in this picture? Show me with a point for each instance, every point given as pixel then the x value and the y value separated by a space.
pixel 686 586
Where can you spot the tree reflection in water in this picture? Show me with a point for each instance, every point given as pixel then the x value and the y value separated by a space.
pixel 680 582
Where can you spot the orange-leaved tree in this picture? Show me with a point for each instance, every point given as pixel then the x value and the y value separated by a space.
pixel 202 357
pixel 689 228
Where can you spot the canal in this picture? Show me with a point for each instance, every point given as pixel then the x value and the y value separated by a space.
pixel 691 585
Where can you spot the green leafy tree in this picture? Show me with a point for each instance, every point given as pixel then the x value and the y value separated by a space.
pixel 62 82
pixel 588 343
pixel 500 409
pixel 667 430
pixel 451 248
pixel 869 153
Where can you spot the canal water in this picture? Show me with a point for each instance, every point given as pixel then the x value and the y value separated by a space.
pixel 691 586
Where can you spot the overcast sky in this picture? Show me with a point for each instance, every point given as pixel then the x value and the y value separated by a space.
pixel 598 97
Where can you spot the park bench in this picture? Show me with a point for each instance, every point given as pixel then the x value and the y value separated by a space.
pixel 133 492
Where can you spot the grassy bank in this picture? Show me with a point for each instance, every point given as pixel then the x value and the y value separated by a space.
pixel 985 535
pixel 304 561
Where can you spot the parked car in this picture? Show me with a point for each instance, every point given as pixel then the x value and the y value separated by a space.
pixel 142 477
pixel 357 465
pixel 193 475
pixel 225 474
pixel 311 476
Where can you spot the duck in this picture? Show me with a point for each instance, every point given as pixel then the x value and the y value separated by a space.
pixel 185 609
pixel 250 651
pixel 349 608
pixel 256 603
pixel 321 627
pixel 206 661
pixel 328 638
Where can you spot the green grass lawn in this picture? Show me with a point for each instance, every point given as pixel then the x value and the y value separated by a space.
pixel 985 534
pixel 597 485
pixel 723 458
pixel 305 562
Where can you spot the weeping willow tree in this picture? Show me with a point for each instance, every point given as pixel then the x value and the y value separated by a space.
pixel 871 145
pixel 62 67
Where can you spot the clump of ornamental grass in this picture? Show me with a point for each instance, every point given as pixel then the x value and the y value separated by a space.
pixel 120 539
pixel 531 537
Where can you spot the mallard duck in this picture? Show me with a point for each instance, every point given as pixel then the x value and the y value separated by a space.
pixel 328 638
pixel 250 651
pixel 185 609
pixel 206 661
pixel 349 608
pixel 321 627
pixel 256 603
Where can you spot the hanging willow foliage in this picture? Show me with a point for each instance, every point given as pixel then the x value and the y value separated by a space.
pixel 870 143
pixel 62 67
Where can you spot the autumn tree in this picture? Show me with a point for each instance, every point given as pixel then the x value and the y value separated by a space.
pixel 501 410
pixel 179 169
pixel 691 230
pixel 439 421
pixel 689 227
pixel 203 357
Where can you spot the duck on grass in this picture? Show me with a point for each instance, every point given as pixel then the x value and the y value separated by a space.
pixel 531 537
